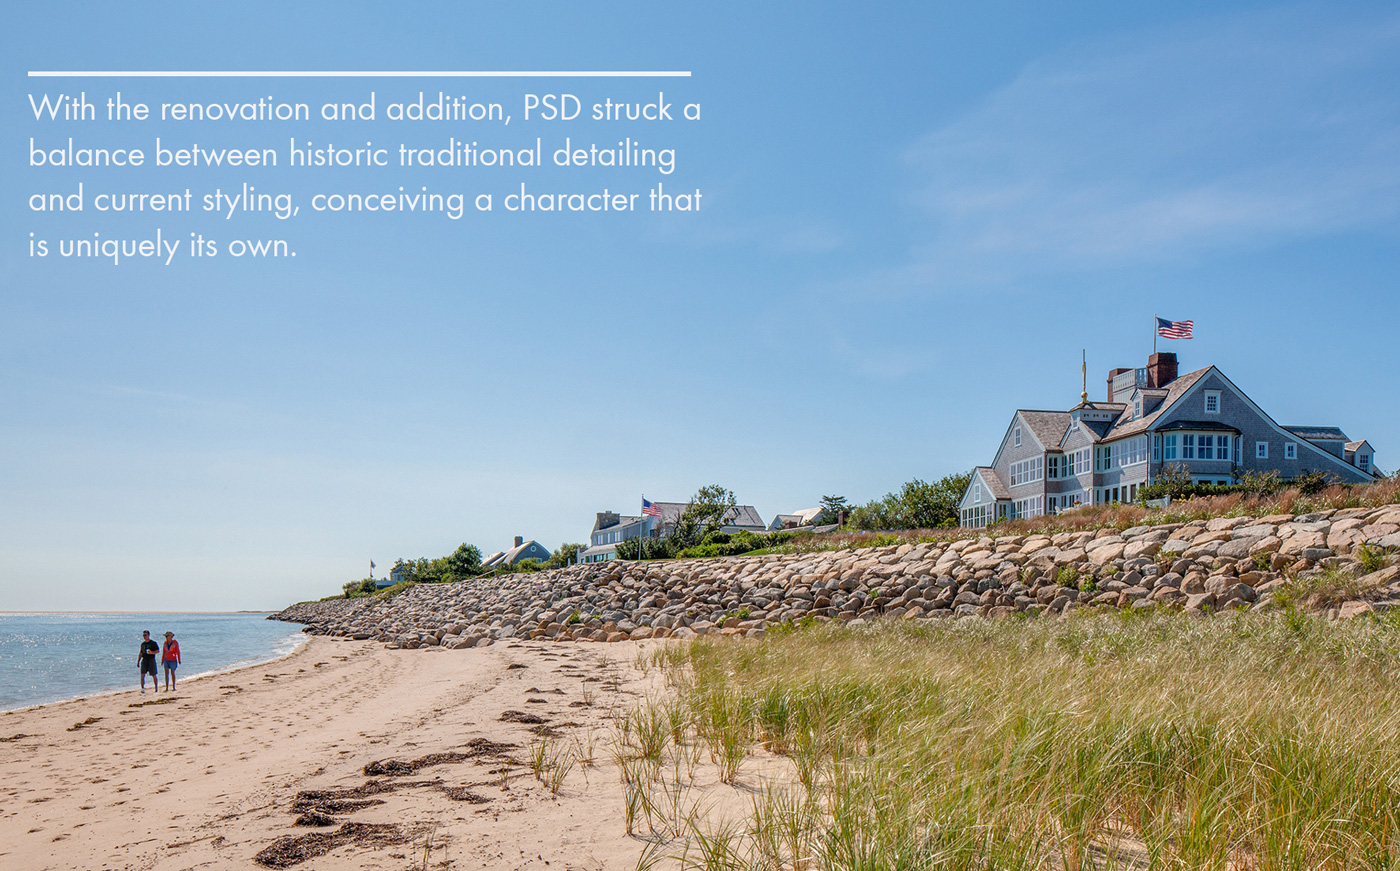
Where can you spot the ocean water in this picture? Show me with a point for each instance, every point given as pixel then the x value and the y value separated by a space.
pixel 49 657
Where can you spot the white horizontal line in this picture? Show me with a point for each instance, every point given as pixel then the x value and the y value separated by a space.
pixel 358 74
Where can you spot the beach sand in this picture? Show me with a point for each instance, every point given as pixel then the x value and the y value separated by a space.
pixel 207 777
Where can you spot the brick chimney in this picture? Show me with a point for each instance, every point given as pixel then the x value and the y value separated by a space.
pixel 1113 373
pixel 519 540
pixel 1161 369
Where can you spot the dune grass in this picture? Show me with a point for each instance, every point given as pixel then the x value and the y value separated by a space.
pixel 1101 741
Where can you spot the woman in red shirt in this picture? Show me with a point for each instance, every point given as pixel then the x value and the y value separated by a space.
pixel 170 658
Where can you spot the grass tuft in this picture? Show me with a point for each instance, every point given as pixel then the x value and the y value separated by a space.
pixel 1250 741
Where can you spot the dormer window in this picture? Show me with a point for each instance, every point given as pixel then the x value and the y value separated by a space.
pixel 1212 401
pixel 1016 437
pixel 1137 407
pixel 1363 462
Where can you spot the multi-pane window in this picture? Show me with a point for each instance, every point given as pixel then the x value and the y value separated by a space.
pixel 1066 501
pixel 1016 437
pixel 1128 452
pixel 1195 446
pixel 1363 462
pixel 1212 401
pixel 1103 459
pixel 1058 466
pixel 1261 450
pixel 1222 447
pixel 1290 450
pixel 1026 471
pixel 1169 446
pixel 1026 507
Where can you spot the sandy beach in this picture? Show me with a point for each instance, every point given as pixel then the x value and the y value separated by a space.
pixel 208 777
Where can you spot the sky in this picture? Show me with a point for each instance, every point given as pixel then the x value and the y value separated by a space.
pixel 915 218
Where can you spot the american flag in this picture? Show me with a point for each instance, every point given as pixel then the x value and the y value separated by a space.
pixel 1173 329
pixel 649 509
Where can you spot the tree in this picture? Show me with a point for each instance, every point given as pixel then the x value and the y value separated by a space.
pixel 833 507
pixel 566 555
pixel 465 561
pixel 703 514
pixel 918 505
pixel 362 587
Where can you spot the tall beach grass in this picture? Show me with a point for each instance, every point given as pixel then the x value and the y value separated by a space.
pixel 1097 741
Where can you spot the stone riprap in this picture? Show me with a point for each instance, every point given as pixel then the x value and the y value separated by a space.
pixel 1203 566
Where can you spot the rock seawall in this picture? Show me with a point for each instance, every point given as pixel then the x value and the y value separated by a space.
pixel 1203 566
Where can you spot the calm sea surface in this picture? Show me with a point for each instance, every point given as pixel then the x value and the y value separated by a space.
pixel 48 657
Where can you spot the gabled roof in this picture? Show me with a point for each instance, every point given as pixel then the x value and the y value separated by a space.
pixel 739 515
pixel 799 518
pixel 993 482
pixel 1048 427
pixel 1353 447
pixel 622 520
pixel 1097 428
pixel 512 556
pixel 1124 426
pixel 1318 433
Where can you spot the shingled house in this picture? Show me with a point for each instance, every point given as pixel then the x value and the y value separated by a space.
pixel 610 528
pixel 521 550
pixel 1100 452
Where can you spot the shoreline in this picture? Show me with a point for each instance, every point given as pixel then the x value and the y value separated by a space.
pixel 100 611
pixel 298 643
pixel 210 775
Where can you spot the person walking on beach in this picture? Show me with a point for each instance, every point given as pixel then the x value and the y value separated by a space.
pixel 146 661
pixel 170 657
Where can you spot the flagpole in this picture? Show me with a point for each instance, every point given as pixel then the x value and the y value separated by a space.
pixel 1154 333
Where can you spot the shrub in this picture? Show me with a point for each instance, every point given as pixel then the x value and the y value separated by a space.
pixel 1313 483
pixel 1172 481
pixel 1371 559
pixel 1260 483
pixel 1068 576
pixel 917 505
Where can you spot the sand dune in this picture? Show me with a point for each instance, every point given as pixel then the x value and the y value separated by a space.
pixel 208 777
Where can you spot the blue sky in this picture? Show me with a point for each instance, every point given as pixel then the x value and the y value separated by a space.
pixel 915 217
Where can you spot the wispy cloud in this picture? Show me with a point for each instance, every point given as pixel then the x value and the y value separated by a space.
pixel 1231 132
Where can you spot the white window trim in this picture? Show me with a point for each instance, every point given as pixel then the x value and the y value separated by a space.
pixel 977 493
pixel 1290 450
pixel 1209 395
pixel 1261 450
pixel 1016 437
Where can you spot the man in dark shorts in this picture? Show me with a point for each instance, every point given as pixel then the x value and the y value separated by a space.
pixel 170 658
pixel 146 661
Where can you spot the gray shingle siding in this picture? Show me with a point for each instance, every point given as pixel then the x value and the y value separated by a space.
pixel 1175 408
pixel 1239 413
